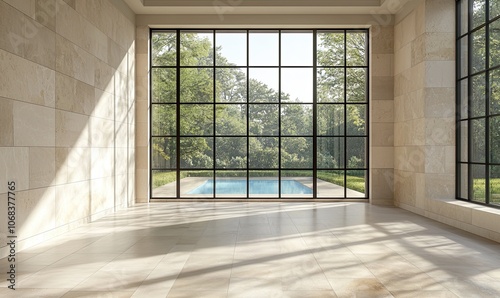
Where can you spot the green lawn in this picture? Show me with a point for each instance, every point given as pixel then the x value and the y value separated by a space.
pixel 480 190
pixel 353 182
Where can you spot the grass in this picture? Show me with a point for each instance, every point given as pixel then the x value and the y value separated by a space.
pixel 479 187
pixel 356 183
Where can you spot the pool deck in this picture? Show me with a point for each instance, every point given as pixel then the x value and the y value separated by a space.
pixel 325 189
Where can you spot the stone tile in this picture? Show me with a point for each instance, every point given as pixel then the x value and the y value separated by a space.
pixel 383 65
pixel 104 105
pixel 440 74
pixel 104 76
pixel 440 131
pixel 33 125
pixel 36 211
pixel 102 161
pixel 40 44
pixel 72 130
pixel 42 167
pixel 382 88
pixel 102 194
pixel 27 7
pixel 382 186
pixel 440 16
pixel 440 186
pixel 382 111
pixel 72 202
pixel 440 159
pixel 102 132
pixel 45 13
pixel 6 122
pixel 37 85
pixel 15 167
pixel 73 95
pixel 382 134
pixel 382 157
pixel 115 54
pixel 440 102
pixel 382 42
pixel 73 61
pixel 11 29
pixel 72 26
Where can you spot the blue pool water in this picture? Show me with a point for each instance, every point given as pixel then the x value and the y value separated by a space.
pixel 257 187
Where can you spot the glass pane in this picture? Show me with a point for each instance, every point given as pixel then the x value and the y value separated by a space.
pixel 263 84
pixel 197 48
pixel 464 56
pixel 478 136
pixel 356 183
pixel 464 125
pixel 330 85
pixel 330 153
pixel 330 184
pixel 231 120
pixel 478 183
pixel 478 50
pixel 163 120
pixel 478 103
pixel 297 84
pixel 296 119
pixel 478 12
pixel 296 153
pixel 163 84
pixel 231 84
pixel 464 18
pixel 494 43
pixel 464 182
pixel 296 48
pixel 231 48
pixel 231 152
pixel 164 184
pixel 231 184
pixel 197 85
pixel 197 184
pixel 264 48
pixel 495 92
pixel 494 9
pixel 495 185
pixel 264 119
pixel 196 153
pixel 196 120
pixel 356 84
pixel 163 48
pixel 464 97
pixel 163 153
pixel 356 153
pixel 330 121
pixel 331 48
pixel 356 48
pixel 296 184
pixel 263 184
pixel 356 120
pixel 495 139
pixel 263 153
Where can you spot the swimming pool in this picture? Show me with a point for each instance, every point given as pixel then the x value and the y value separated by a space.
pixel 257 187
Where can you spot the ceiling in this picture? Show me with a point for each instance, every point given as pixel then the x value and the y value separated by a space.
pixel 266 6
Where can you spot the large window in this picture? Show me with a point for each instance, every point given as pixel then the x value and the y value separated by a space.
pixel 478 99
pixel 259 114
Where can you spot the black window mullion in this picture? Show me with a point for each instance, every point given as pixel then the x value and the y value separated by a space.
pixel 248 113
pixel 279 114
pixel 214 110
pixel 315 115
pixel 487 97
pixel 178 118
pixel 345 114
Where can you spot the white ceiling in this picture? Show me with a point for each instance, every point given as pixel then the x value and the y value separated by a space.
pixel 266 6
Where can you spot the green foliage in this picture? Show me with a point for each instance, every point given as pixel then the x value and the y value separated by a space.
pixel 479 190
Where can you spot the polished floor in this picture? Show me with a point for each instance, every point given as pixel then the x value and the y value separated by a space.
pixel 260 250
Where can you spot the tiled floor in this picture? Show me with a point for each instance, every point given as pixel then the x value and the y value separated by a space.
pixel 260 250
